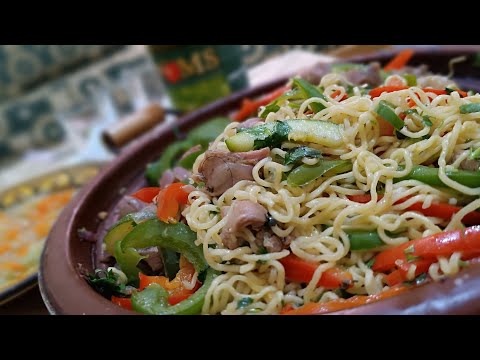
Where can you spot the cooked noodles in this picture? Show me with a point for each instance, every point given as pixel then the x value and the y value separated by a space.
pixel 317 215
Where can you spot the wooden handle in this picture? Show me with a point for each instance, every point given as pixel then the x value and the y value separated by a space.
pixel 133 125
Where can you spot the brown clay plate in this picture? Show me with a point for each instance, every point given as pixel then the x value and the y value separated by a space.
pixel 66 292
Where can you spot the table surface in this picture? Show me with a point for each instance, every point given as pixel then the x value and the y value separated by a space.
pixel 29 303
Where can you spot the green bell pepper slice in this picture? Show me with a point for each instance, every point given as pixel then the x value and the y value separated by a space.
pixel 364 239
pixel 387 112
pixel 429 176
pixel 178 237
pixel 306 173
pixel 154 170
pixel 153 300
pixel 310 91
pixel 128 260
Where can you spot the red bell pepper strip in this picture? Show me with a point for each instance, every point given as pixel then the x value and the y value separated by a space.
pixel 466 241
pixel 440 210
pixel 336 93
pixel 342 304
pixel 299 270
pixel 125 303
pixel 176 288
pixel 400 60
pixel 146 194
pixel 169 200
pixel 400 275
pixel 249 106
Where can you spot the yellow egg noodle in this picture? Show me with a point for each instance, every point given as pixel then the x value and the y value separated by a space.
pixel 301 211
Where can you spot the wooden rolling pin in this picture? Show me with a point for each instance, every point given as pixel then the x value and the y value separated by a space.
pixel 133 126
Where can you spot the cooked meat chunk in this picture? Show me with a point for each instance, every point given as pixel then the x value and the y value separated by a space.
pixel 220 170
pixel 470 164
pixel 369 75
pixel 435 82
pixel 154 258
pixel 271 242
pixel 250 123
pixel 243 213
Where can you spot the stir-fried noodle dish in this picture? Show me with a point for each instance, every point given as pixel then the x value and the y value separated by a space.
pixel 326 194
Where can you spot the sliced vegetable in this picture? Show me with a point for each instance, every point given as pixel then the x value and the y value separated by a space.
pixel 440 210
pixel 429 175
pixel 312 308
pixel 154 299
pixel 474 154
pixel 273 134
pixel 178 237
pixel 125 303
pixel 400 275
pixel 169 200
pixel 310 91
pixel 155 170
pixel 388 113
pixel 273 107
pixel 202 134
pixel 470 108
pixel 460 92
pixel 445 211
pixel 118 232
pixel 205 133
pixel 249 107
pixel 411 79
pixel 335 94
pixel 106 283
pixel 305 173
pixel 177 291
pixel 299 270
pixel 400 60
pixel 466 241
pixel 146 194
pixel 315 131
pixel 364 239
pixel 297 154
pixel 379 90
pixel 128 260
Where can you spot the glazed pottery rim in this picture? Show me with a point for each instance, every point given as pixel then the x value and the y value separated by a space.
pixel 80 298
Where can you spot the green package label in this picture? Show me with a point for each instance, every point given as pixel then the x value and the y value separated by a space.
pixel 196 75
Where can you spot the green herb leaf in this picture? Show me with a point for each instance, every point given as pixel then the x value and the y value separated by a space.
pixel 297 154
pixel 462 263
pixel 474 155
pixel 261 250
pixel 106 283
pixel 426 120
pixel 370 263
pixel 244 302
pixel 272 107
